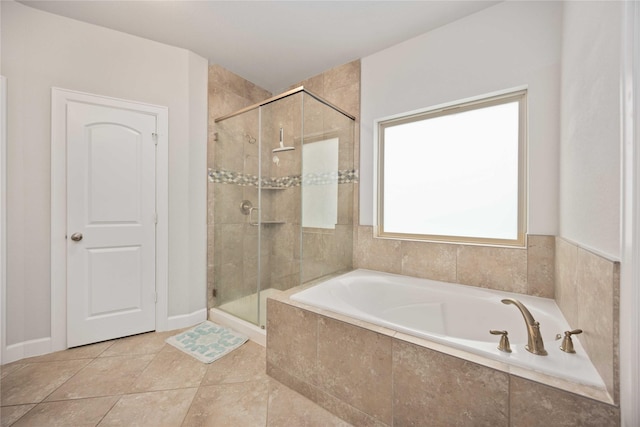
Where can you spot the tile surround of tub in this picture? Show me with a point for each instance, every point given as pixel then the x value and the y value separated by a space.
pixel 447 388
pixel 587 291
pixel 537 404
pixel 359 374
pixel 527 270
pixel 451 390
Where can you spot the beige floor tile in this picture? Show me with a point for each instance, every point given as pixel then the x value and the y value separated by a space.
pixel 247 363
pixel 142 381
pixel 85 352
pixel 104 376
pixel 68 413
pixel 288 408
pixel 11 367
pixel 10 414
pixel 171 369
pixel 237 404
pixel 149 343
pixel 36 381
pixel 157 408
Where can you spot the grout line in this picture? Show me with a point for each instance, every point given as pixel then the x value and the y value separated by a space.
pixel 23 415
pixel 110 409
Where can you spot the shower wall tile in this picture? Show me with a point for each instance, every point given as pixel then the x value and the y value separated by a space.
pixel 346 98
pixel 344 244
pixel 287 204
pixel 315 84
pixel 284 242
pixel 435 261
pixel 496 268
pixel 229 273
pixel 255 93
pixel 537 404
pixel 314 117
pixel 345 204
pixel 232 248
pixel 229 152
pixel 210 210
pixel 445 390
pixel 226 80
pixel 225 102
pixel 341 76
pixel 540 265
pixel 251 164
pixel 354 365
pixel 226 203
pixel 232 83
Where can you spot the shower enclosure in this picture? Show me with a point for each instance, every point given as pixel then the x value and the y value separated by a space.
pixel 283 178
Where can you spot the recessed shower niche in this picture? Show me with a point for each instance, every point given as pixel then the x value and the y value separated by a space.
pixel 283 176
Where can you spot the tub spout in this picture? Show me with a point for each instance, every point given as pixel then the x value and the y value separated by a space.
pixel 535 344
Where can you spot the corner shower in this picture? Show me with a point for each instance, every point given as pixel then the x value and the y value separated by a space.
pixel 283 176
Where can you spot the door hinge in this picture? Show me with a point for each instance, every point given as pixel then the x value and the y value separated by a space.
pixel 155 138
pixel 215 292
pixel 155 218
pixel 155 297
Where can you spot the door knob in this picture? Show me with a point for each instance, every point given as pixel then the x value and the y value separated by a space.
pixel 76 237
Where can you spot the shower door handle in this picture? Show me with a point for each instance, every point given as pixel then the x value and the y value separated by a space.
pixel 251 209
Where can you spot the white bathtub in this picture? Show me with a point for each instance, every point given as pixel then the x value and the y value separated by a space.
pixel 455 315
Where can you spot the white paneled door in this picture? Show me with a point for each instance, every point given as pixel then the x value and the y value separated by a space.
pixel 111 222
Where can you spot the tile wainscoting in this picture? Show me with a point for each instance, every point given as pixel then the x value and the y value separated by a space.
pixel 527 270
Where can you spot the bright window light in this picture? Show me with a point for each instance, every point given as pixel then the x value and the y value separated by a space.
pixel 455 174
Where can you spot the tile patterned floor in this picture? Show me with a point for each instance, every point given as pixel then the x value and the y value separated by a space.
pixel 142 381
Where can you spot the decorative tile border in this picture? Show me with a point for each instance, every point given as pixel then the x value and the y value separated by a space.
pixel 347 176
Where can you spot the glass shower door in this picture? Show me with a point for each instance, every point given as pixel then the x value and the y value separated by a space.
pixel 236 209
pixel 327 190
pixel 283 200
pixel 281 131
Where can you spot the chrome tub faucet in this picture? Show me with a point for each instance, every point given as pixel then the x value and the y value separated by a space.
pixel 535 344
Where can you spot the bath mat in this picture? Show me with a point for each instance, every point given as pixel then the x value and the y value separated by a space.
pixel 207 342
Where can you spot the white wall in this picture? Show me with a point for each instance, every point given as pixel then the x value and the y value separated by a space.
pixel 590 141
pixel 41 50
pixel 508 45
pixel 198 118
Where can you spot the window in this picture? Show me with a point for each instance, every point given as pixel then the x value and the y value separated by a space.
pixel 456 173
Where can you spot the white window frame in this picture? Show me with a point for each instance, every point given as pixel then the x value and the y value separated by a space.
pixel 519 95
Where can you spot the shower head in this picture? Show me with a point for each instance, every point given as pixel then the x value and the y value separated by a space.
pixel 282 147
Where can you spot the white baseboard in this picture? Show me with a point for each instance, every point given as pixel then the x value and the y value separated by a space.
pixel 42 346
pixel 25 349
pixel 186 320
pixel 255 334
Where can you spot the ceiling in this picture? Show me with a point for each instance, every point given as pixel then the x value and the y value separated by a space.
pixel 273 44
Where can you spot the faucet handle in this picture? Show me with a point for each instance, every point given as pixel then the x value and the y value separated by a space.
pixel 567 342
pixel 504 340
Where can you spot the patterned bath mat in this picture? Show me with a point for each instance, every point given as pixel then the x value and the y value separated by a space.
pixel 207 342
